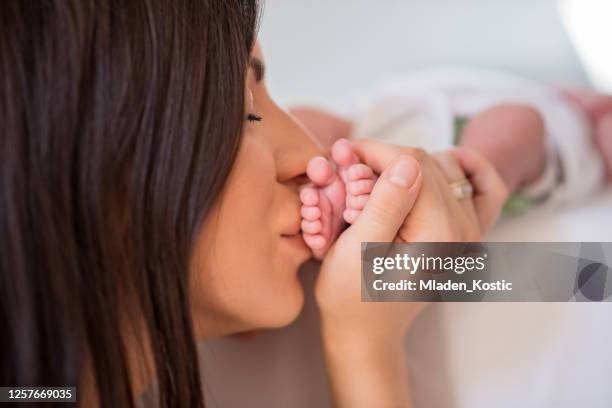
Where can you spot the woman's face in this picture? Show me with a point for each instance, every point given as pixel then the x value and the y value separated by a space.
pixel 244 270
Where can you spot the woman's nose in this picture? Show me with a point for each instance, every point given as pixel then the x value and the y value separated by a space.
pixel 295 150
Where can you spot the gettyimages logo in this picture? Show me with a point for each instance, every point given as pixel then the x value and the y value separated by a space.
pixel 487 272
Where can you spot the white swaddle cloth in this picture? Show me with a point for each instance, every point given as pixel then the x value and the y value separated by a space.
pixel 420 110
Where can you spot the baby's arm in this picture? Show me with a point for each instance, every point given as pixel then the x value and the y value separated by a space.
pixel 512 138
pixel 325 127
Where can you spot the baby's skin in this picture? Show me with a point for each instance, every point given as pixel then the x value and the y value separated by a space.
pixel 338 192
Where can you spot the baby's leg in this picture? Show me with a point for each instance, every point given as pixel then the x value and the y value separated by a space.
pixel 512 137
pixel 333 197
pixel 358 178
pixel 322 206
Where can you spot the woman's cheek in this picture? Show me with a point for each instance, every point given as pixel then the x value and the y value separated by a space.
pixel 242 276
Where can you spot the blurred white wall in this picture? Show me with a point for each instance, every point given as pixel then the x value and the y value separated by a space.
pixel 588 25
pixel 318 51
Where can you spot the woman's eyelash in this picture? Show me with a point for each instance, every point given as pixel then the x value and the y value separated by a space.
pixel 254 118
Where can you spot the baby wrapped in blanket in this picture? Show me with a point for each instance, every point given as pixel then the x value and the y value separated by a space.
pixel 551 146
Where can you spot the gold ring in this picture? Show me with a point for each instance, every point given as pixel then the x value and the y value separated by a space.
pixel 462 189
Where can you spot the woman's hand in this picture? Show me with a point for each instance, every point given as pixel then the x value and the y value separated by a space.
pixel 411 202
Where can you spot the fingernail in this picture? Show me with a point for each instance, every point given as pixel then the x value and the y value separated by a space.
pixel 404 172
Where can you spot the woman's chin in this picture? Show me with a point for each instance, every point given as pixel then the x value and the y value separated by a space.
pixel 288 315
pixel 251 307
pixel 278 311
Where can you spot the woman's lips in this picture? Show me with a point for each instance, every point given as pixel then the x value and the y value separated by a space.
pixel 294 229
pixel 293 233
pixel 296 241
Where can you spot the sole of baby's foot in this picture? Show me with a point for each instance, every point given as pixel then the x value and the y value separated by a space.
pixel 358 178
pixel 323 202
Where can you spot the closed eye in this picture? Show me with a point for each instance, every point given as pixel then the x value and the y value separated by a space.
pixel 254 118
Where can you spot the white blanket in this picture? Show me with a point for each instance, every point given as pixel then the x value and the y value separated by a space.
pixel 420 110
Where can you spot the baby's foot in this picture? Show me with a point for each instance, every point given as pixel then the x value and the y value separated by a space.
pixel 333 197
pixel 322 206
pixel 358 178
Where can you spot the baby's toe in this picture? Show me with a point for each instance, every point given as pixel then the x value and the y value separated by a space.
pixel 309 196
pixel 359 171
pixel 360 187
pixel 315 241
pixel 311 227
pixel 350 215
pixel 311 213
pixel 343 153
pixel 320 171
pixel 357 202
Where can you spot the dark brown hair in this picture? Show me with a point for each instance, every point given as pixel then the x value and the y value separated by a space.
pixel 119 123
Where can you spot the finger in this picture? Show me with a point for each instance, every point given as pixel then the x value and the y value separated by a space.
pixel 453 172
pixel 431 217
pixel 379 155
pixel 483 175
pixel 390 202
pixel 490 191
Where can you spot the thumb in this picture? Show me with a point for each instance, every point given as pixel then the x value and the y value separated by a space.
pixel 390 202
